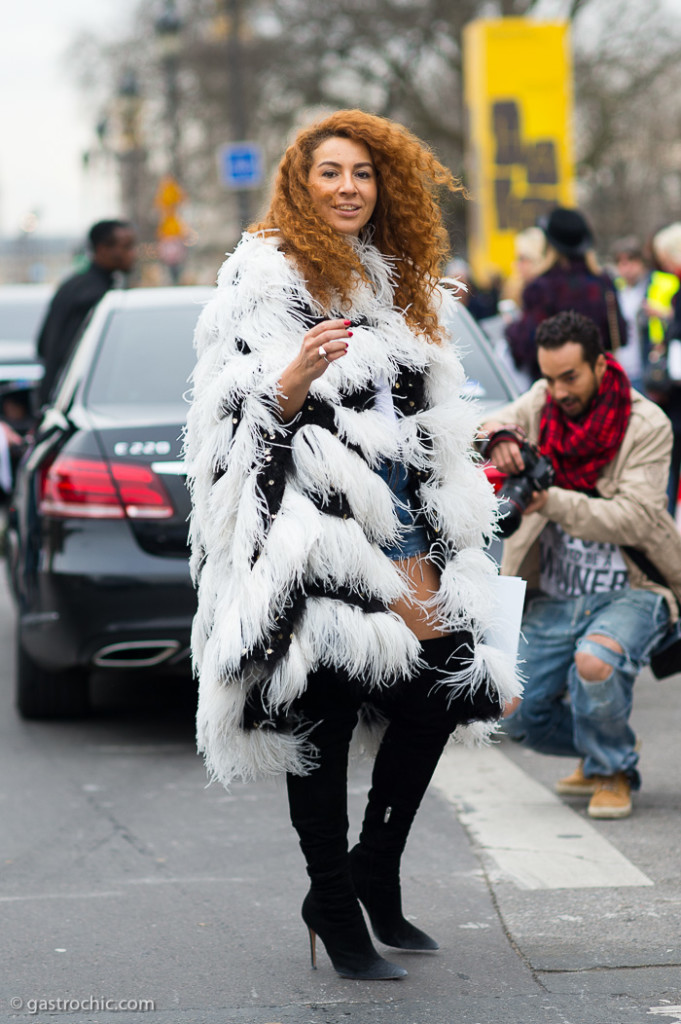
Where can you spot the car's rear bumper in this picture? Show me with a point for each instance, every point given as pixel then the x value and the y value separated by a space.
pixel 106 622
pixel 93 598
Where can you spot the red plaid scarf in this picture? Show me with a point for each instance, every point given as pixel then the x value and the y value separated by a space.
pixel 579 449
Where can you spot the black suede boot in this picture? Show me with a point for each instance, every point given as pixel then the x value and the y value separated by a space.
pixel 331 911
pixel 318 806
pixel 401 775
pixel 421 719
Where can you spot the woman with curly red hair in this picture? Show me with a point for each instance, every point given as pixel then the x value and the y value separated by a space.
pixel 340 517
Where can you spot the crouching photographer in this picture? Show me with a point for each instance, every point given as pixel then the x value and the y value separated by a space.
pixel 592 537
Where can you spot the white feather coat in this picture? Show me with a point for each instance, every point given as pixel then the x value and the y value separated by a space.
pixel 247 562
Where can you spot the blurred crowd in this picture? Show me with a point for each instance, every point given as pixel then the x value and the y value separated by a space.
pixel 633 297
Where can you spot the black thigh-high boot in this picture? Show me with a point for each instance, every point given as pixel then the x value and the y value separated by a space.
pixel 421 719
pixel 318 807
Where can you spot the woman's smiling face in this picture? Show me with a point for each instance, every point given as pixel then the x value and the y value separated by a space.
pixel 342 184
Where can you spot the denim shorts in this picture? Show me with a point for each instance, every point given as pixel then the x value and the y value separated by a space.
pixel 413 539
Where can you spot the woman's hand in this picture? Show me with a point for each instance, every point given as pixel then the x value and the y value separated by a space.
pixel 322 345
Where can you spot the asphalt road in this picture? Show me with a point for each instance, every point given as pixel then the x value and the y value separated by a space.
pixel 124 878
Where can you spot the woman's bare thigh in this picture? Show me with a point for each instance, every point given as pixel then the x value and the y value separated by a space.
pixel 424 582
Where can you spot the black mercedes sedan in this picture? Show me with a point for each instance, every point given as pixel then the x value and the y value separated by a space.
pixel 97 531
pixel 97 534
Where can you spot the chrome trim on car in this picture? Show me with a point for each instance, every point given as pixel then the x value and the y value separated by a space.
pixel 169 468
pixel 105 657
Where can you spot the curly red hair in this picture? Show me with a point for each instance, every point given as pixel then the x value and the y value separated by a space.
pixel 407 220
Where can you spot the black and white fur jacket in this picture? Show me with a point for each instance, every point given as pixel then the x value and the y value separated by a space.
pixel 288 519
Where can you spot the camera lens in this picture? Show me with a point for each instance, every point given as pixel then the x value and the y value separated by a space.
pixel 514 498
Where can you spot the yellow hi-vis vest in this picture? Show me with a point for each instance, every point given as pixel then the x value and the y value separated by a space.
pixel 661 290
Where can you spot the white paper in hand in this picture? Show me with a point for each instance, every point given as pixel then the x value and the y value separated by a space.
pixel 508 614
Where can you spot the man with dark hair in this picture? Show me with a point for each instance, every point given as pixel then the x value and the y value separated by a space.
pixel 572 326
pixel 600 553
pixel 114 249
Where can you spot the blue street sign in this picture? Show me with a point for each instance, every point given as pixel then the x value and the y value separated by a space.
pixel 240 165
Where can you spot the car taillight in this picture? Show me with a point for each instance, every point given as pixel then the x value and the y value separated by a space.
pixel 92 489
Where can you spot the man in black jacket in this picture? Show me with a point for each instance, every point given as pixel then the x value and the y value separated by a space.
pixel 113 246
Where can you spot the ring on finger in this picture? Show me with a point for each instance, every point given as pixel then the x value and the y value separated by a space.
pixel 322 352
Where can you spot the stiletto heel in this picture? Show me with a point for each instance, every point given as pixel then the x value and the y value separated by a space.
pixel 313 949
pixel 347 942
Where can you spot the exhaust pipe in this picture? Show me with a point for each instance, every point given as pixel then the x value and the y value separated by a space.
pixel 136 654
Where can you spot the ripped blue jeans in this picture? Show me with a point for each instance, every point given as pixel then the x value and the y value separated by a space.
pixel 594 722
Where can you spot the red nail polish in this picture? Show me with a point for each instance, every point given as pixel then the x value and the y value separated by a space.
pixel 346 323
pixel 349 334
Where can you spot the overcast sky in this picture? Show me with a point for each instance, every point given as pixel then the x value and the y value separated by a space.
pixel 44 125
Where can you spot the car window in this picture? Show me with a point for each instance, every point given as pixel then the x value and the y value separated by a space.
pixel 20 321
pixel 143 359
pixel 484 378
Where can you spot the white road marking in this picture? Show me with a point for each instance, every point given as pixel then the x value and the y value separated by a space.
pixel 134 749
pixel 109 894
pixel 667 1011
pixel 535 839
pixel 61 896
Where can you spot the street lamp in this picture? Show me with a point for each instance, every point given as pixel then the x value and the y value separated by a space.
pixel 168 34
pixel 170 231
pixel 130 153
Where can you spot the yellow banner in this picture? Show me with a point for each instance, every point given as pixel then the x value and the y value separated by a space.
pixel 518 94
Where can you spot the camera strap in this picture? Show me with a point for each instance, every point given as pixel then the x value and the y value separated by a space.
pixel 514 434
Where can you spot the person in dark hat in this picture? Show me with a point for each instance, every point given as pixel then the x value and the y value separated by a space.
pixel 571 280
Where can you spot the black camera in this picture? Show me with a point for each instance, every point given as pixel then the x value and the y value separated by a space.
pixel 516 491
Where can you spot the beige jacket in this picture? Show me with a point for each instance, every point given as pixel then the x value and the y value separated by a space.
pixel 631 508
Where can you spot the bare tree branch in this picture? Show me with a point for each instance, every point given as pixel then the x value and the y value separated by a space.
pixel 403 59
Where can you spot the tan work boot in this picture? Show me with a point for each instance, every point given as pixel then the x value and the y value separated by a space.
pixel 612 798
pixel 576 784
